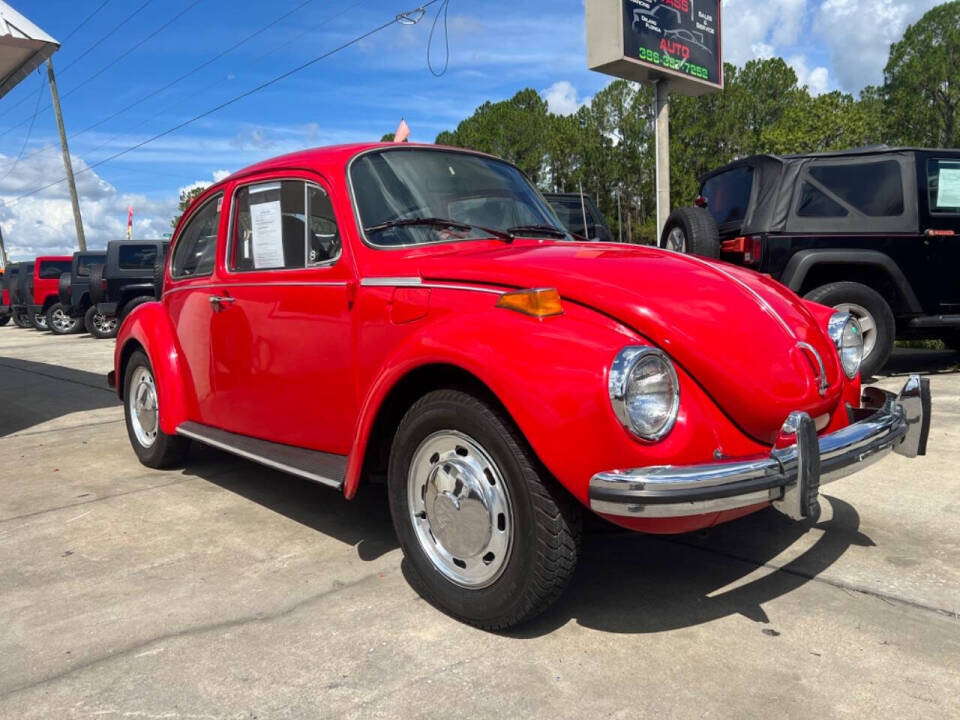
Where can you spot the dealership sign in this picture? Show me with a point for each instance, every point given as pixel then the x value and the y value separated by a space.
pixel 650 40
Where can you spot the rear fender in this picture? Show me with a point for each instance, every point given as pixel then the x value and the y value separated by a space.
pixel 148 327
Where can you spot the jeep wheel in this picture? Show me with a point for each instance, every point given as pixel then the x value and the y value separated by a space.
pixel 488 536
pixel 20 321
pixel 691 230
pixel 153 446
pixel 874 314
pixel 99 325
pixel 39 321
pixel 131 305
pixel 61 323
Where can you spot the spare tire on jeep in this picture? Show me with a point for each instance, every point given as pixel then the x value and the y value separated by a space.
pixel 63 289
pixel 96 284
pixel 691 230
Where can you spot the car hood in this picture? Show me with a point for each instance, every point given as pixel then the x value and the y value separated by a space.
pixel 738 334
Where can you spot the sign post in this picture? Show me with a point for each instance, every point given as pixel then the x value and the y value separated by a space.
pixel 673 44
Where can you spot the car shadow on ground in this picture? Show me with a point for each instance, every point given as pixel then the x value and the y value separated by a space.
pixel 904 361
pixel 32 393
pixel 363 522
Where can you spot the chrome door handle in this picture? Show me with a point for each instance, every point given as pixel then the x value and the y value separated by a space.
pixel 220 300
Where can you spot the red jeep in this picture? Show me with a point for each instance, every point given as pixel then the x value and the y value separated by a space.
pixel 418 313
pixel 43 286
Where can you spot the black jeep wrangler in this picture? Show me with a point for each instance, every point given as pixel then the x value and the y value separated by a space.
pixel 580 215
pixel 21 294
pixel 7 283
pixel 125 280
pixel 874 232
pixel 76 310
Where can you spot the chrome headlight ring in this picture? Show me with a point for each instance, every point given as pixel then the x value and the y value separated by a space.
pixel 844 329
pixel 644 391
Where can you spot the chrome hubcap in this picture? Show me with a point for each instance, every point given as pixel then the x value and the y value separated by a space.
pixel 143 406
pixel 676 240
pixel 62 321
pixel 868 324
pixel 103 323
pixel 460 508
pixel 41 320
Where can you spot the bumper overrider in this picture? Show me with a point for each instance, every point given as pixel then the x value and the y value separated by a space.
pixel 789 477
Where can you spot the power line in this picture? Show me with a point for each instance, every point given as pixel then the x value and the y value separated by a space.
pixel 105 37
pixel 23 147
pixel 184 76
pixel 415 15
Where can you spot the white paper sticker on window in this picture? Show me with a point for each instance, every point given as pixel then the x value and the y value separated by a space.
pixel 948 188
pixel 266 222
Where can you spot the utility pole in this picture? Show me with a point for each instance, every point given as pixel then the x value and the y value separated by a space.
pixel 67 165
pixel 662 133
pixel 3 252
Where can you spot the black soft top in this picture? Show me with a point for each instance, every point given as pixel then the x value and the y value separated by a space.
pixel 777 179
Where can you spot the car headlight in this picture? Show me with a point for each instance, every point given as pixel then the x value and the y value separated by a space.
pixel 844 330
pixel 644 391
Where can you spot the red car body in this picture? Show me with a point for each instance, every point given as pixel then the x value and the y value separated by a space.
pixel 328 358
pixel 46 279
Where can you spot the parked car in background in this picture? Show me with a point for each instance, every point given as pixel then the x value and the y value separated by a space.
pixel 873 232
pixel 19 274
pixel 123 282
pixel 580 215
pixel 412 313
pixel 74 296
pixel 41 287
pixel 5 277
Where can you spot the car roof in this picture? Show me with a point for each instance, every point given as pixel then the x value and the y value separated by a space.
pixel 45 258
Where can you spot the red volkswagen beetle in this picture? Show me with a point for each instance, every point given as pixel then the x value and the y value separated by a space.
pixel 417 313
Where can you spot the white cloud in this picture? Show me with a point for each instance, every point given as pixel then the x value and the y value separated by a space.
pixel 43 223
pixel 756 29
pixel 816 79
pixel 562 98
pixel 219 175
pixel 858 34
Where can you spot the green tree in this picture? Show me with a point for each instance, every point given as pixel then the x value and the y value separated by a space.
pixel 922 80
pixel 186 197
pixel 831 121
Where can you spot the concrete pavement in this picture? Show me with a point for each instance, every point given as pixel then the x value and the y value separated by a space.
pixel 227 590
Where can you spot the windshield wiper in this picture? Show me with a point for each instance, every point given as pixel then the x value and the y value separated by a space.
pixel 438 222
pixel 545 229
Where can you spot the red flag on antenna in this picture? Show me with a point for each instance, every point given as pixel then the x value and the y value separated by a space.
pixel 403 132
pixel 130 223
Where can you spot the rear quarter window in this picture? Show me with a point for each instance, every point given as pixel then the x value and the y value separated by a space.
pixel 875 189
pixel 52 269
pixel 728 195
pixel 136 257
pixel 86 262
pixel 943 185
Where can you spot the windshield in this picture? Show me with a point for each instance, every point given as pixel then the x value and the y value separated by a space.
pixel 405 184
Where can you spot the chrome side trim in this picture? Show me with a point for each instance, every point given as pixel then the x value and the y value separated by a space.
pixel 418 282
pixel 258 458
pixel 897 422
pixel 226 285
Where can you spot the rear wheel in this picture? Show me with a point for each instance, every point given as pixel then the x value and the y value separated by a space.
pixel 873 312
pixel 60 323
pixel 100 325
pixel 691 230
pixel 489 537
pixel 20 320
pixel 141 411
pixel 39 321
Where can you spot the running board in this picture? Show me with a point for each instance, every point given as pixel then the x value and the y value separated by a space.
pixel 324 468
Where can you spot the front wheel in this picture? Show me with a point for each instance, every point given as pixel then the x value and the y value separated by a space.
pixel 61 323
pixel 100 325
pixel 871 310
pixel 489 537
pixel 141 411
pixel 39 321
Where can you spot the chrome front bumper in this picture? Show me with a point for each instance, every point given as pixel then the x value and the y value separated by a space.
pixel 788 477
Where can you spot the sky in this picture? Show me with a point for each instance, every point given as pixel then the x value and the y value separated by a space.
pixel 129 51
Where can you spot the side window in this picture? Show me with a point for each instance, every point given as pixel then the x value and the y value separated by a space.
pixel 814 203
pixel 282 225
pixel 136 257
pixel 943 185
pixel 197 247
pixel 54 268
pixel 874 188
pixel 728 194
pixel 85 262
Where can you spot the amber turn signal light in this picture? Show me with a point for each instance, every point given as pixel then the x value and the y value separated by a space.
pixel 538 302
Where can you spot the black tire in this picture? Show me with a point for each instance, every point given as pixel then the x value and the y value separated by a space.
pixel 39 321
pixel 20 320
pixel 871 309
pixel 164 450
pixel 99 325
pixel 692 230
pixel 4 319
pixel 158 279
pixel 96 284
pixel 952 340
pixel 544 521
pixel 131 304
pixel 60 323
pixel 63 288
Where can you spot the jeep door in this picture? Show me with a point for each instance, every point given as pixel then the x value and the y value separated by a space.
pixel 187 297
pixel 940 175
pixel 282 338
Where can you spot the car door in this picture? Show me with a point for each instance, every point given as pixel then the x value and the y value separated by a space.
pixel 942 227
pixel 282 340
pixel 187 296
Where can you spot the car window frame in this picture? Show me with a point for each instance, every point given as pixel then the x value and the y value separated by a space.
pixel 933 157
pixel 317 181
pixel 175 243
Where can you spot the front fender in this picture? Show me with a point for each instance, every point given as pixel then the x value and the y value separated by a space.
pixel 149 327
pixel 551 377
